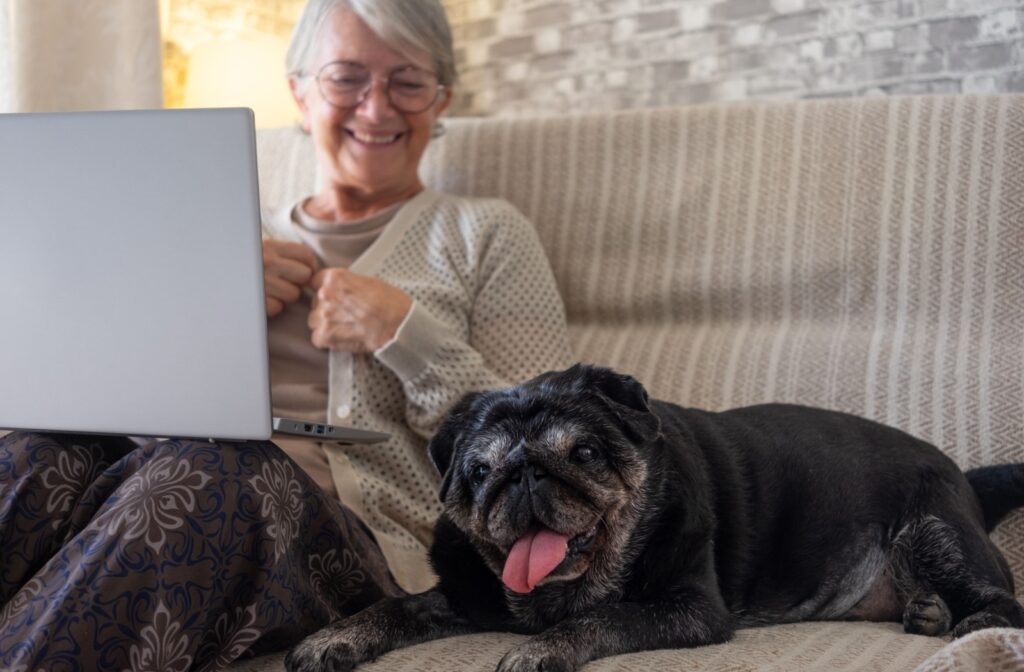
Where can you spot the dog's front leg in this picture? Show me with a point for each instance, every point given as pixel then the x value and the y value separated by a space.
pixel 693 619
pixel 390 624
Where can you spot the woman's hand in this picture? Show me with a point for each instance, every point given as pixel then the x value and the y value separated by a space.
pixel 353 312
pixel 287 268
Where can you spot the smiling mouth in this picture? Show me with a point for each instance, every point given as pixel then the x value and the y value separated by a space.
pixel 374 138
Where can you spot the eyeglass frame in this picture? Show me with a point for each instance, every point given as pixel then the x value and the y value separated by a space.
pixel 369 85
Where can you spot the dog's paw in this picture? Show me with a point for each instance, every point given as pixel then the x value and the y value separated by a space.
pixel 979 621
pixel 927 615
pixel 535 657
pixel 323 651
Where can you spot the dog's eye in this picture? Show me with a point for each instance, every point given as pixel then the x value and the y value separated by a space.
pixel 584 453
pixel 479 473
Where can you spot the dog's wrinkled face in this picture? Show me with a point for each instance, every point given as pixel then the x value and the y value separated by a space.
pixel 547 478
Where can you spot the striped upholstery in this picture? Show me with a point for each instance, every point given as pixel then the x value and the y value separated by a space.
pixel 865 256
pixel 862 255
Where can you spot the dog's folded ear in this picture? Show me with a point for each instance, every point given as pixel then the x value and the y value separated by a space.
pixel 625 397
pixel 443 444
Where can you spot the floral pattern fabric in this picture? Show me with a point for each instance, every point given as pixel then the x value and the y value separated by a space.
pixel 176 555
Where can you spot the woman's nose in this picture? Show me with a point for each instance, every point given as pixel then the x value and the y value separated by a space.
pixel 376 104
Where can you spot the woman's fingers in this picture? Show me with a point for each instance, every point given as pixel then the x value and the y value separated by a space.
pixel 274 306
pixel 287 267
pixel 289 250
pixel 354 312
pixel 280 289
pixel 292 261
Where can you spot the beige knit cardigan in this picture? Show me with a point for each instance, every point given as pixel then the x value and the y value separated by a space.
pixel 486 314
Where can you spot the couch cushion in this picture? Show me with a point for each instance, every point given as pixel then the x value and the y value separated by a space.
pixel 879 647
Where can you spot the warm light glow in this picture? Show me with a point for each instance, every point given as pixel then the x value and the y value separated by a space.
pixel 218 54
pixel 241 72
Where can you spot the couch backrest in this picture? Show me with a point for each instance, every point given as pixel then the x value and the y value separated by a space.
pixel 865 255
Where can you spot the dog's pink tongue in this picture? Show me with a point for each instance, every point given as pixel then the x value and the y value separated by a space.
pixel 532 558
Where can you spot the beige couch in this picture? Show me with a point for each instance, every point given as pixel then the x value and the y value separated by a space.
pixel 862 255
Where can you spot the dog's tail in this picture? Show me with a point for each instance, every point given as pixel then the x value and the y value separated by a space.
pixel 1000 489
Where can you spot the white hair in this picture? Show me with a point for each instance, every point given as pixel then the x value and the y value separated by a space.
pixel 403 24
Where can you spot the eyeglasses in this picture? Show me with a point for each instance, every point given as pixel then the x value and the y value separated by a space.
pixel 409 89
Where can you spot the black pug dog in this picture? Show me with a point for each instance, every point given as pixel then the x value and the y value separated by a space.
pixel 577 510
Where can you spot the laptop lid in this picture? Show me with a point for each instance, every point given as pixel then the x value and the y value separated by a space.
pixel 131 278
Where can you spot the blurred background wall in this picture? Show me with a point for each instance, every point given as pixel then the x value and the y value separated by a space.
pixel 540 56
pixel 524 56
pixel 228 52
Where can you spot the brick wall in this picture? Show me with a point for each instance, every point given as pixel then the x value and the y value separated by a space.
pixel 538 56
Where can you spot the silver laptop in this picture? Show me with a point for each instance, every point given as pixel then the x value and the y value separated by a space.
pixel 131 277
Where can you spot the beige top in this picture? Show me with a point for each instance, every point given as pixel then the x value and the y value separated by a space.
pixel 486 313
pixel 298 370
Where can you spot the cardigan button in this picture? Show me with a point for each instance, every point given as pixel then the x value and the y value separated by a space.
pixel 343 411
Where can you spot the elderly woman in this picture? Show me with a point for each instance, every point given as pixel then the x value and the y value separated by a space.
pixel 387 302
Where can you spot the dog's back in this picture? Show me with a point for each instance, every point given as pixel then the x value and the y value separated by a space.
pixel 811 505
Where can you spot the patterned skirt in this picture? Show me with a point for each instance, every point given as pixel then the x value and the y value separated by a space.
pixel 178 555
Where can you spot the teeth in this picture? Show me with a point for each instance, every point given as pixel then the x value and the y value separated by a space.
pixel 374 139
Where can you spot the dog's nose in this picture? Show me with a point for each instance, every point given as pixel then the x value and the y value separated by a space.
pixel 533 472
